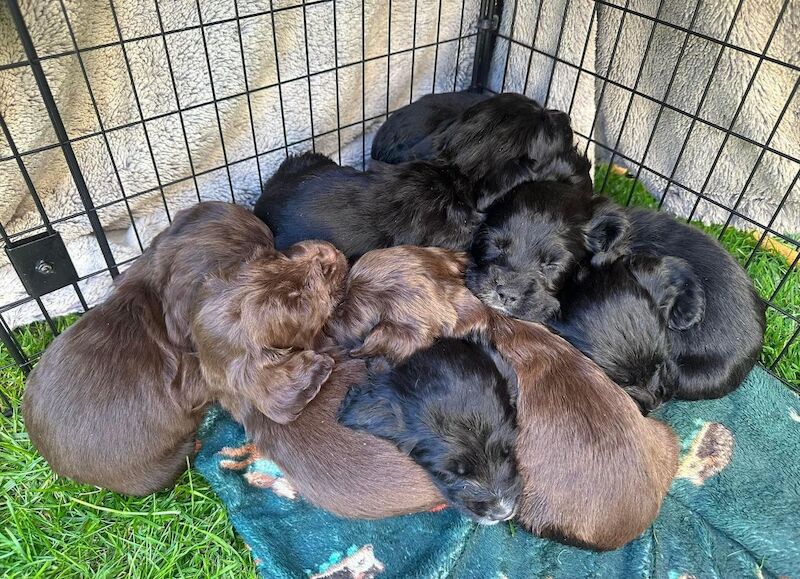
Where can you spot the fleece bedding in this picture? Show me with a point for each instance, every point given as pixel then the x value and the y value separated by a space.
pixel 731 511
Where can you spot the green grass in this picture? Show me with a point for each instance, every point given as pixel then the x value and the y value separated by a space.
pixel 52 527
pixel 767 268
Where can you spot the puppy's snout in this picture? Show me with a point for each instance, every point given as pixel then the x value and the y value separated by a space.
pixel 506 295
pixel 492 512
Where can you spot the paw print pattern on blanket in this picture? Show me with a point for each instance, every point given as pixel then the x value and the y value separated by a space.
pixel 257 470
pixel 709 453
pixel 356 564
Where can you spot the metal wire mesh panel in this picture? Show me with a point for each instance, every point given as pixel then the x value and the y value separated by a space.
pixel 698 103
pixel 117 114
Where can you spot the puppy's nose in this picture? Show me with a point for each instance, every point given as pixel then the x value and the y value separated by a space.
pixel 502 511
pixel 507 297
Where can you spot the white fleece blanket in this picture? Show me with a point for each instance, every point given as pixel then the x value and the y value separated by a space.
pixel 93 24
pixel 599 108
pixel 196 59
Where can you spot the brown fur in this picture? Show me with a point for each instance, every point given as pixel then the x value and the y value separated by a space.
pixel 338 469
pixel 595 471
pixel 399 300
pixel 256 325
pixel 116 399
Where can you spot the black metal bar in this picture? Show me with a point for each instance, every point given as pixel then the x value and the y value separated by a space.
pixel 607 74
pixel 558 51
pixel 61 133
pixel 436 50
pixel 178 98
pixel 11 345
pixel 772 219
pixel 629 106
pixel 100 122
pixel 652 99
pixel 739 108
pixel 511 34
pixel 533 46
pixel 488 21
pixel 308 84
pixel 25 175
pixel 214 96
pixel 226 98
pixel 761 155
pixel 786 346
pixel 388 59
pixel 363 92
pixel 458 48
pixel 413 52
pixel 336 67
pixel 580 63
pixel 139 109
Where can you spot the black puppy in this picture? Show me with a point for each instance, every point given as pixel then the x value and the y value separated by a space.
pixel 493 146
pixel 534 239
pixel 408 132
pixel 618 315
pixel 450 409
pixel 714 346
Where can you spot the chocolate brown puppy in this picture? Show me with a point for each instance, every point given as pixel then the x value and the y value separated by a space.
pixel 348 473
pixel 256 326
pixel 116 399
pixel 399 300
pixel 594 470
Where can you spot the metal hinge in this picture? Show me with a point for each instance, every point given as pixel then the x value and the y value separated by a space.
pixel 42 263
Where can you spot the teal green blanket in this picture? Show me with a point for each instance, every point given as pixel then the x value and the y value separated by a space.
pixel 733 510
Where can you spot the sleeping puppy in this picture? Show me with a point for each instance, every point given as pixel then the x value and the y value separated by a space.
pixel 348 473
pixel 594 470
pixel 408 133
pixel 450 410
pixel 256 325
pixel 401 299
pixel 535 239
pixel 494 145
pixel 116 399
pixel 577 430
pixel 715 342
pixel 618 316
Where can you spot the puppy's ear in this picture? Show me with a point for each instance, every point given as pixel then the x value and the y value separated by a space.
pixel 607 233
pixel 503 366
pixel 674 286
pixel 280 389
pixel 373 408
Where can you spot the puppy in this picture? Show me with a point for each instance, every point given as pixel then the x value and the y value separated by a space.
pixel 116 399
pixel 401 299
pixel 618 316
pixel 493 146
pixel 594 470
pixel 450 410
pixel 535 239
pixel 716 341
pixel 348 473
pixel 256 325
pixel 408 133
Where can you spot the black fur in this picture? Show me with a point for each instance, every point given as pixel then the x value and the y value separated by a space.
pixel 450 409
pixel 492 147
pixel 715 353
pixel 408 133
pixel 535 239
pixel 608 315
